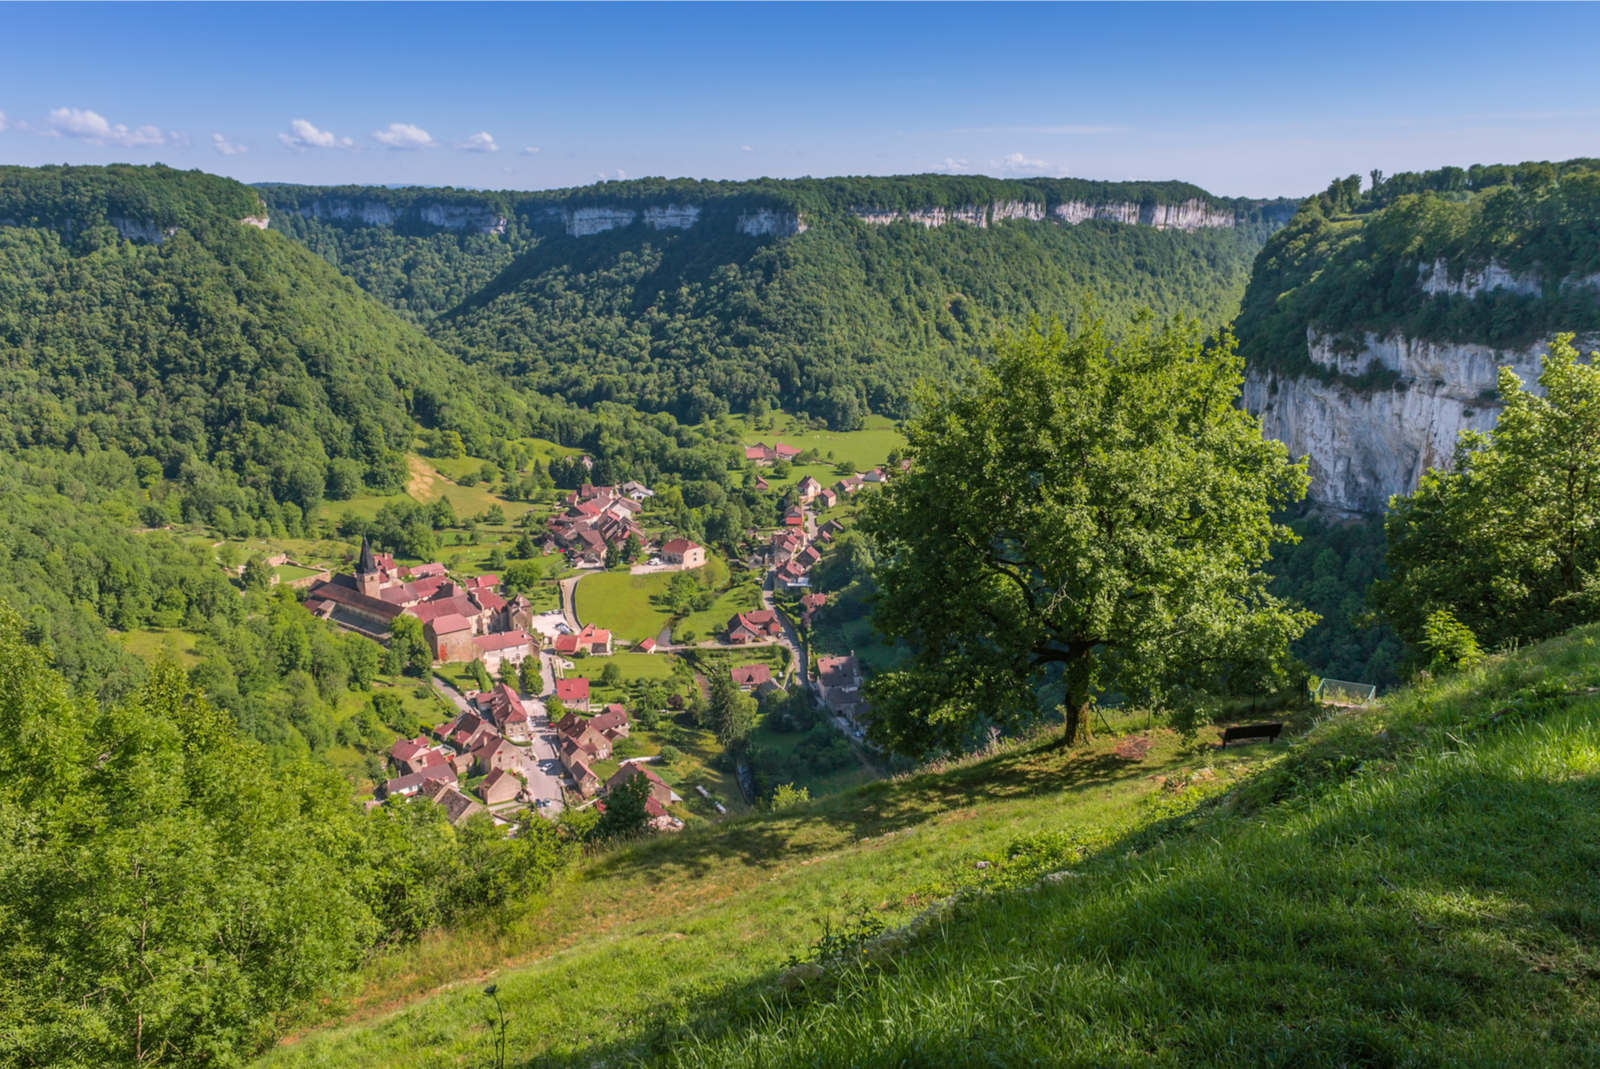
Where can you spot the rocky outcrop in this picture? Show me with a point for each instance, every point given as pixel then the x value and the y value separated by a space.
pixel 1367 445
pixel 582 222
pixel 1187 216
pixel 671 216
pixel 474 217
pixel 143 230
pixel 972 214
pixel 260 222
pixel 1434 279
pixel 463 217
pixel 766 222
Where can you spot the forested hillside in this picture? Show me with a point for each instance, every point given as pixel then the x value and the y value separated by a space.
pixel 828 297
pixel 241 364
pixel 1350 262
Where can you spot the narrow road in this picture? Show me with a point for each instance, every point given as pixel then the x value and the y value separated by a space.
pixel 790 638
pixel 540 765
pixel 569 601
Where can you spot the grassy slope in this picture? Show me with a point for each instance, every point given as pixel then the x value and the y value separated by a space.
pixel 669 922
pixel 1410 885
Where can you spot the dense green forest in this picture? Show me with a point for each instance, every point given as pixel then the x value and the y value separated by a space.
pixel 1329 571
pixel 836 322
pixel 172 893
pixel 1348 262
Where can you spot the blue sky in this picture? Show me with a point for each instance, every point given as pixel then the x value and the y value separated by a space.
pixel 1245 100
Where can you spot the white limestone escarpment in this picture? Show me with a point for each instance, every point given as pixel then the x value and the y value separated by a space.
pixel 767 222
pixel 1368 445
pixel 1189 215
pixel 979 215
pixel 476 217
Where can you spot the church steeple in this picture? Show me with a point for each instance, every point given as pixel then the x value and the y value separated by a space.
pixel 368 575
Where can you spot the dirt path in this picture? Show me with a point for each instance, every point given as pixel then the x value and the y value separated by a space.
pixel 420 483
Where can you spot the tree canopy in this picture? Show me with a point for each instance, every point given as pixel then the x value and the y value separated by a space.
pixel 1081 517
pixel 1508 540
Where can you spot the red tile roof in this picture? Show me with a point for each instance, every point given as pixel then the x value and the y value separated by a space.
pixel 752 675
pixel 575 689
pixel 505 640
pixel 449 624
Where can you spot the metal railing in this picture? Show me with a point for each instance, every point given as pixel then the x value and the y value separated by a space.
pixel 1343 692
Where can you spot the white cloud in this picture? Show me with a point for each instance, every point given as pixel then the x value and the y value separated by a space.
pixel 479 142
pixel 92 127
pixel 404 135
pixel 4 123
pixel 746 148
pixel 621 174
pixel 307 136
pixel 228 148
pixel 952 164
pixel 178 137
pixel 530 150
pixel 1020 164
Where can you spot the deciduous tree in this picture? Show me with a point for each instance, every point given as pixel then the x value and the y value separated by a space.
pixel 1508 540
pixel 1082 516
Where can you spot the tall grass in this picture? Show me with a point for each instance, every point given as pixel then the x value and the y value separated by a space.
pixel 1416 885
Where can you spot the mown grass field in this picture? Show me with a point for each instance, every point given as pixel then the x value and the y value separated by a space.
pixel 865 448
pixel 1411 884
pixel 158 643
pixel 651 666
pixel 621 603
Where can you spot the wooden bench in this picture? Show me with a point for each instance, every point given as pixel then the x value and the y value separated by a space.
pixel 1251 731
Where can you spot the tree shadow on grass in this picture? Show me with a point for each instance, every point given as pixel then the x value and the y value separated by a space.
pixel 876 809
pixel 1443 915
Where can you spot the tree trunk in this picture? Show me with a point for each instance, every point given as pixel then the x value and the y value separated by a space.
pixel 1079 700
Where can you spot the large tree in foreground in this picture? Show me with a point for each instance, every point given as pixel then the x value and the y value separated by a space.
pixel 1083 516
pixel 1508 541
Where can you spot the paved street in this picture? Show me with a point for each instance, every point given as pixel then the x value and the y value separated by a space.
pixel 540 765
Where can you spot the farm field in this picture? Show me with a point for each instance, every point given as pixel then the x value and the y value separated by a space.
pixel 865 448
pixel 621 603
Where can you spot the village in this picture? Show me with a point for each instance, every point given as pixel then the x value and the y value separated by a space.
pixel 536 737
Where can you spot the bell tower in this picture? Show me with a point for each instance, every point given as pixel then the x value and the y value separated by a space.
pixel 367 574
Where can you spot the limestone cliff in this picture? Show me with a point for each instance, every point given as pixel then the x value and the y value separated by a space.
pixel 1193 214
pixel 479 218
pixel 1366 445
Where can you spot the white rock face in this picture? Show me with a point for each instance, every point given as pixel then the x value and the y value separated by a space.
pixel 972 214
pixel 1366 447
pixel 1190 215
pixel 679 216
pixel 1435 279
pixel 581 222
pixel 143 230
pixel 258 221
pixel 464 217
pixel 1001 210
pixel 374 213
pixel 765 222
